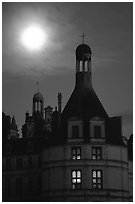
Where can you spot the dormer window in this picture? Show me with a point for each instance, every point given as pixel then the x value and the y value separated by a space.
pixel 75 131
pixel 97 131
pixel 97 128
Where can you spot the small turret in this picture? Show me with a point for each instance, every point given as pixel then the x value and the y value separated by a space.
pixel 13 124
pixel 48 118
pixel 13 133
pixel 38 105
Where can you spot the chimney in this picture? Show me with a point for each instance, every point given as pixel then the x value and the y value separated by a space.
pixel 59 102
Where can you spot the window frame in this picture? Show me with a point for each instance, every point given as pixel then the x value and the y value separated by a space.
pixel 97 180
pixel 74 153
pixel 75 133
pixel 97 134
pixel 96 154
pixel 96 121
pixel 76 181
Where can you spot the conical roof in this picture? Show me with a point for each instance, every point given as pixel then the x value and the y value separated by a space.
pixel 83 103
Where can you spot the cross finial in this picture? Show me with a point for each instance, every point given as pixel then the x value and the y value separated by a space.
pixel 83 36
pixel 38 86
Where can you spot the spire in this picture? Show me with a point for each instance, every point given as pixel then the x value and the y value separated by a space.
pixel 13 124
pixel 38 86
pixel 59 102
pixel 83 36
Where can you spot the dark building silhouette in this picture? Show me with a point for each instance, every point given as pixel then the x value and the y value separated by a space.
pixel 77 154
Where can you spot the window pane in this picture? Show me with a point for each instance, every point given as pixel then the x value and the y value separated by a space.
pixel 78 157
pixel 75 131
pixel 74 174
pixel 93 157
pixel 98 150
pixel 73 180
pixel 78 174
pixel 73 151
pixel 99 185
pixel 94 174
pixel 73 157
pixel 78 186
pixel 73 186
pixel 94 185
pixel 78 180
pixel 78 150
pixel 97 131
pixel 93 150
pixel 98 157
pixel 99 174
pixel 94 180
pixel 99 180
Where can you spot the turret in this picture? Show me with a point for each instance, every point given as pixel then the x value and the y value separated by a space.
pixel 83 107
pixel 83 103
pixel 38 105
pixel 13 133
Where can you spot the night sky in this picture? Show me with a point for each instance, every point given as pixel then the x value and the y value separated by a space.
pixel 108 29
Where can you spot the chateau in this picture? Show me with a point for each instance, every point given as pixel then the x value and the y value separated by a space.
pixel 77 154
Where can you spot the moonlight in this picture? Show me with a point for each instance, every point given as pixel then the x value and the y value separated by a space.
pixel 33 38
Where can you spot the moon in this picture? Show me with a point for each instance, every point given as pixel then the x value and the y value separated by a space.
pixel 33 38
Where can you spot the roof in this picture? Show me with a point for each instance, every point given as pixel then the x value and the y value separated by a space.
pixel 48 108
pixel 82 50
pixel 38 96
pixel 83 103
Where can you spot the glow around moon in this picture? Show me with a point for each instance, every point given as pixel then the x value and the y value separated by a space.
pixel 33 38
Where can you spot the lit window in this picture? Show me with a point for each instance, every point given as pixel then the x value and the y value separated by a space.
pixel 75 131
pixel 97 131
pixel 97 179
pixel 76 153
pixel 76 179
pixel 96 153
